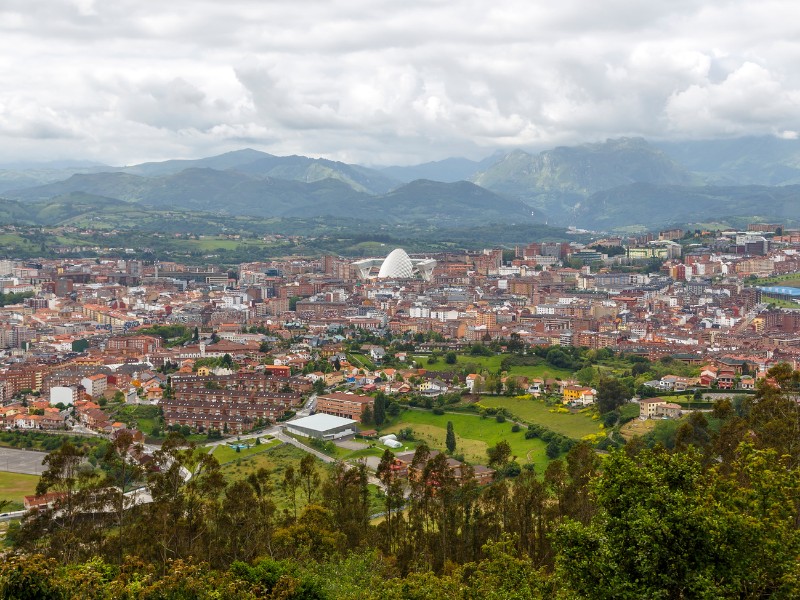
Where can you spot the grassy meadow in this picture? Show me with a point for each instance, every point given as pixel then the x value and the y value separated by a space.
pixel 573 425
pixel 473 436
pixel 15 486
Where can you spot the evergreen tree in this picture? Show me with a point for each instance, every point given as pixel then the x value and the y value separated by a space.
pixel 367 417
pixel 380 409
pixel 450 440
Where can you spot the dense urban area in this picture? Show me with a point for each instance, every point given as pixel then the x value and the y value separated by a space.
pixel 615 418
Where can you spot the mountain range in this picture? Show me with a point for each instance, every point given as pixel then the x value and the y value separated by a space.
pixel 604 186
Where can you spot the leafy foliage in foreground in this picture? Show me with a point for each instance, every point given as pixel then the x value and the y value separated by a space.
pixel 716 517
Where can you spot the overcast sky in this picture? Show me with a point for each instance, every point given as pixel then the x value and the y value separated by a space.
pixel 386 82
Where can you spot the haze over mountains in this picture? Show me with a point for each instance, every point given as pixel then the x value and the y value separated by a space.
pixel 614 184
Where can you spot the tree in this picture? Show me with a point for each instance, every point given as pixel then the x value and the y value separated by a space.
pixel 553 449
pixel 290 484
pixel 611 394
pixel 122 470
pixel 380 408
pixel 309 476
pixel 393 499
pixel 346 495
pixel 662 508
pixel 451 358
pixel 367 416
pixel 450 440
pixel 499 454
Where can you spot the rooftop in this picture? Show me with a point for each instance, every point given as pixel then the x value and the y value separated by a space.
pixel 321 422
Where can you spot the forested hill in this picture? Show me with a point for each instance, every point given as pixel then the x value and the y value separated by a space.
pixel 715 515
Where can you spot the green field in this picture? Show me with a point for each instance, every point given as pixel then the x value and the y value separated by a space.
pixel 339 453
pixel 360 361
pixel 225 454
pixel 14 486
pixel 788 280
pixel 473 436
pixel 492 364
pixel 573 425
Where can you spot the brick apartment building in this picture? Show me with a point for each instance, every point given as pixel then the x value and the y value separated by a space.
pixel 233 402
pixel 349 406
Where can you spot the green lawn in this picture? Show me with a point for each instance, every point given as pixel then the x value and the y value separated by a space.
pixel 14 486
pixel 492 364
pixel 360 361
pixel 575 425
pixel 788 280
pixel 473 436
pixel 338 453
pixel 225 454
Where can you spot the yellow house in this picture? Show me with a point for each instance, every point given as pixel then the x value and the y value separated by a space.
pixel 578 395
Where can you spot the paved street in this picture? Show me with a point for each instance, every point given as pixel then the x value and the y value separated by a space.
pixel 21 461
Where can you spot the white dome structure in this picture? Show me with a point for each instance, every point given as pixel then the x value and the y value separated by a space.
pixel 397 265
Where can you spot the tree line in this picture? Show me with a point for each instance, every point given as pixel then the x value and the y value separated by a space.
pixel 715 516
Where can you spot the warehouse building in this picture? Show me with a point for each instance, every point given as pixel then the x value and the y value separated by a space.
pixel 322 427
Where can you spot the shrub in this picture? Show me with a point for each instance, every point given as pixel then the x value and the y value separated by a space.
pixel 553 449
pixel 512 469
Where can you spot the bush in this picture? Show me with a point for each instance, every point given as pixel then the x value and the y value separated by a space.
pixel 438 411
pixel 610 418
pixel 500 418
pixel 553 449
pixel 515 428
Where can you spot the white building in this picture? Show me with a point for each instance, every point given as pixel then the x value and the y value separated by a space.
pixel 64 395
pixel 95 385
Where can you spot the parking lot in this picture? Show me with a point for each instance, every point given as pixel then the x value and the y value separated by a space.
pixel 21 461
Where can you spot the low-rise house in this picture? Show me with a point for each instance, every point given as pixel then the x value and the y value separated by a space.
pixel 726 379
pixel 45 500
pixel 747 382
pixel 433 387
pixel 648 408
pixel 668 410
pixel 474 382
pixel 403 467
pixel 677 383
pixel 536 386
pixel 577 394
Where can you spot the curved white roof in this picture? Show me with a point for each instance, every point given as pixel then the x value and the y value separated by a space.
pixel 397 264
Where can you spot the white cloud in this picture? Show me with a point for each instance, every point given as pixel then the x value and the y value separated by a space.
pixel 375 81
